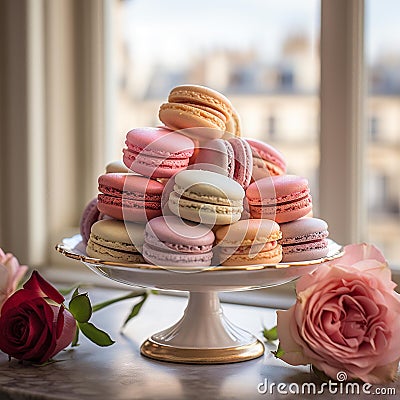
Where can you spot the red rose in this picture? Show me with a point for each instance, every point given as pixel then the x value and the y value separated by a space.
pixel 34 324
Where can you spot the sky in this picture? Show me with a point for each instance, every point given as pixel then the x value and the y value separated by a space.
pixel 168 32
pixel 382 27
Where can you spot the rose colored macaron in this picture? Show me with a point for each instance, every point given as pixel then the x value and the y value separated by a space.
pixel 247 242
pixel 194 106
pixel 304 239
pixel 206 197
pixel 282 198
pixel 232 158
pixel 266 160
pixel 243 161
pixel 129 197
pixel 157 152
pixel 217 156
pixel 90 215
pixel 118 241
pixel 171 241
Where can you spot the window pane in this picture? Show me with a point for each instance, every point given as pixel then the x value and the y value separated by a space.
pixel 264 58
pixel 383 112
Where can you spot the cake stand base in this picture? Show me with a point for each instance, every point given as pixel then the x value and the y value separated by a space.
pixel 203 336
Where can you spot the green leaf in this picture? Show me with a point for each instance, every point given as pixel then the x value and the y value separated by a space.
pixel 67 291
pixel 130 295
pixel 76 292
pixel 320 374
pixel 279 352
pixel 80 307
pixel 270 334
pixel 95 334
pixel 135 310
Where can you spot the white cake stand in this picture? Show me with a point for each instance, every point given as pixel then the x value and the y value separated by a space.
pixel 203 335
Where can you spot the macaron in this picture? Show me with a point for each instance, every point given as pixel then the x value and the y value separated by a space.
pixel 207 197
pixel 243 161
pixel 116 166
pixel 90 215
pixel 267 160
pixel 194 106
pixel 118 241
pixel 231 157
pixel 217 156
pixel 157 152
pixel 304 239
pixel 129 197
pixel 171 241
pixel 248 242
pixel 282 198
pixel 234 125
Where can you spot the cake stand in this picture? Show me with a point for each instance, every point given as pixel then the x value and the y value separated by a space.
pixel 203 335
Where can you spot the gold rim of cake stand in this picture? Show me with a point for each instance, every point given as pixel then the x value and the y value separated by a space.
pixel 163 352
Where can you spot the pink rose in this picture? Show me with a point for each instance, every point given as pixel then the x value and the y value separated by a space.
pixel 346 318
pixel 34 324
pixel 10 275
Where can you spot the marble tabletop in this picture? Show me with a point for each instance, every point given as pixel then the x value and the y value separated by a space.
pixel 119 372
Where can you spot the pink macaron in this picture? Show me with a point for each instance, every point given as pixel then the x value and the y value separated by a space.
pixel 90 215
pixel 282 198
pixel 267 160
pixel 304 239
pixel 171 241
pixel 129 197
pixel 232 158
pixel 216 156
pixel 243 161
pixel 157 152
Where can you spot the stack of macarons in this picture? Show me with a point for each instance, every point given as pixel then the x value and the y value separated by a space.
pixel 193 192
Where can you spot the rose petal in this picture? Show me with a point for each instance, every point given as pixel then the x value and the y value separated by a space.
pixel 19 297
pixel 67 331
pixel 383 374
pixel 358 252
pixel 38 284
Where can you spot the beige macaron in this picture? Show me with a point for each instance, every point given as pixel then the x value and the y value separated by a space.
pixel 118 241
pixel 249 242
pixel 116 166
pixel 206 197
pixel 194 106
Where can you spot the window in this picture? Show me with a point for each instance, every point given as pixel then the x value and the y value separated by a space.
pixel 259 55
pixel 271 128
pixel 373 127
pixel 71 75
pixel 383 112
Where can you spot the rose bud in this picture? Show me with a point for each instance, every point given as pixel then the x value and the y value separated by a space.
pixel 34 324
pixel 11 272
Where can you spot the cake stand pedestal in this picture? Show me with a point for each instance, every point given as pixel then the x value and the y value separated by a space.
pixel 203 335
